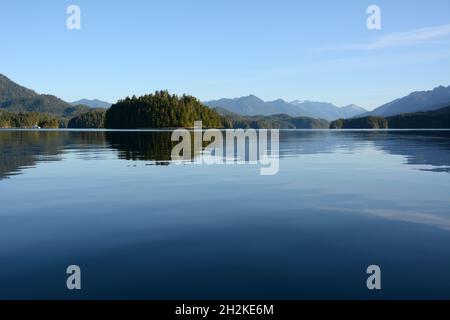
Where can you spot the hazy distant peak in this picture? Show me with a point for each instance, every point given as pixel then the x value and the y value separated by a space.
pixel 304 101
pixel 354 107
pixel 278 101
pixel 251 97
pixel 94 103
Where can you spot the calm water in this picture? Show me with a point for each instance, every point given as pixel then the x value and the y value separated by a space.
pixel 141 227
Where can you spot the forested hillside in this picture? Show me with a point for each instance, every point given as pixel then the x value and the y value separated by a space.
pixel 15 98
pixel 438 119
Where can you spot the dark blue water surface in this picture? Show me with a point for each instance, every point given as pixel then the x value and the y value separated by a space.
pixel 142 227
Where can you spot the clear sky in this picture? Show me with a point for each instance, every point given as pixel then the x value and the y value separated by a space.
pixel 315 50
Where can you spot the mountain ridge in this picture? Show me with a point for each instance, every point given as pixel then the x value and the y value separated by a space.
pixel 17 98
pixel 251 105
pixel 417 101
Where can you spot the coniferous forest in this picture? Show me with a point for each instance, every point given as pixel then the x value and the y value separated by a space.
pixel 93 119
pixel 160 110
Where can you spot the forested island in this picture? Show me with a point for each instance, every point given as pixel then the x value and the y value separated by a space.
pixel 160 110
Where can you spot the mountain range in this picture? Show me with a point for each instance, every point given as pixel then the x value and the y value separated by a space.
pixel 419 101
pixel 253 106
pixel 328 111
pixel 16 98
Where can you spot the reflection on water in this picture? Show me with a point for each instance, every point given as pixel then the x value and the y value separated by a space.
pixel 25 148
pixel 151 146
pixel 22 149
pixel 342 200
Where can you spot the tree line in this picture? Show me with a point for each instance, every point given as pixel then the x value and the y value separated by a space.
pixel 164 110
pixel 27 120
pixel 437 119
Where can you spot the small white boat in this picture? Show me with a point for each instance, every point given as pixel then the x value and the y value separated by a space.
pixel 36 127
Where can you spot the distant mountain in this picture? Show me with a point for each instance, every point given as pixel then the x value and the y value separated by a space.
pixel 16 98
pixel 417 101
pixel 248 106
pixel 95 103
pixel 350 111
pixel 283 107
pixel 436 119
pixel 327 110
pixel 252 106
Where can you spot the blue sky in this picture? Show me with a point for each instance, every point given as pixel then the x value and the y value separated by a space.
pixel 308 50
